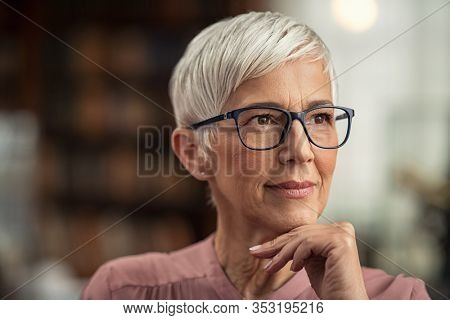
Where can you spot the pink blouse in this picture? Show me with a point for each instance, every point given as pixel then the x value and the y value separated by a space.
pixel 194 272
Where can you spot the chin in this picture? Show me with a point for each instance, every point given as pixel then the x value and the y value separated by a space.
pixel 308 208
pixel 302 217
pixel 283 220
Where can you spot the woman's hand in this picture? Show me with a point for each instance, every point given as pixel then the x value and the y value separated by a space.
pixel 327 252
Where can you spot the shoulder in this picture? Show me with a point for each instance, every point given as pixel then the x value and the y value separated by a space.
pixel 147 270
pixel 380 285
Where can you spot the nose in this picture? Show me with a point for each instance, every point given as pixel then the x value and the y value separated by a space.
pixel 296 148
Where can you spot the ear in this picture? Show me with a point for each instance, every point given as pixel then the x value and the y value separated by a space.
pixel 186 146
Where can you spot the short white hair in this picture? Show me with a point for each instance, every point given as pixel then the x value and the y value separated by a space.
pixel 227 53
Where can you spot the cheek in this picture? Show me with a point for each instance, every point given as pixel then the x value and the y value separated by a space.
pixel 236 161
pixel 325 161
pixel 236 165
pixel 249 176
pixel 250 164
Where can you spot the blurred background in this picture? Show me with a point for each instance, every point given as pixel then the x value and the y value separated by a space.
pixel 69 159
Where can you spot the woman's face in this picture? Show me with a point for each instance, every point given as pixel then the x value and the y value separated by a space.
pixel 244 183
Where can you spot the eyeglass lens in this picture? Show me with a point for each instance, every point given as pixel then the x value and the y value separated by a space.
pixel 263 128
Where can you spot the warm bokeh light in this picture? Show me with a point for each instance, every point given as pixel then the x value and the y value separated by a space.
pixel 355 15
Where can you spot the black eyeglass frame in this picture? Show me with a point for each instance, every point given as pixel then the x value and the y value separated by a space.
pixel 349 114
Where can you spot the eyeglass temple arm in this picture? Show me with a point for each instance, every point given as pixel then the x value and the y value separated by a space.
pixel 345 116
pixel 210 120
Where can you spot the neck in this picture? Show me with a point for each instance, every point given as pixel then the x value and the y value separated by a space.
pixel 232 243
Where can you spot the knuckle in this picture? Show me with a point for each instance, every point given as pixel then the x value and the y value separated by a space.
pixel 347 226
pixel 296 230
pixel 346 240
pixel 307 242
pixel 273 242
pixel 292 234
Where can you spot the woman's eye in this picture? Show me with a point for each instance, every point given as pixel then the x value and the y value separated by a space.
pixel 321 118
pixel 264 120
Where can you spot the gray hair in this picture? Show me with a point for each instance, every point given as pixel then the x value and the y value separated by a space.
pixel 227 53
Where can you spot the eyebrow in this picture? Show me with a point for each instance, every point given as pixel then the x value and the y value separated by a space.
pixel 315 103
pixel 309 105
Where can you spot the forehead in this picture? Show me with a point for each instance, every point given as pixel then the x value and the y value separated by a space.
pixel 292 85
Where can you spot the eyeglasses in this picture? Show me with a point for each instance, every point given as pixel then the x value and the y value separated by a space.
pixel 264 126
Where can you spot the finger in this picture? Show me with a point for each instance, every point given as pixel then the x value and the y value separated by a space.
pixel 265 252
pixel 301 254
pixel 313 244
pixel 284 256
pixel 347 227
pixel 270 248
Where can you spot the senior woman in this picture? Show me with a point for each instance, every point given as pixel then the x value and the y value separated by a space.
pixel 253 100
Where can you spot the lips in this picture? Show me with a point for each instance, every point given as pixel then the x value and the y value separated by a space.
pixel 292 189
pixel 293 184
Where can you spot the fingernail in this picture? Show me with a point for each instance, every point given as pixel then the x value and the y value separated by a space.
pixel 268 265
pixel 255 248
